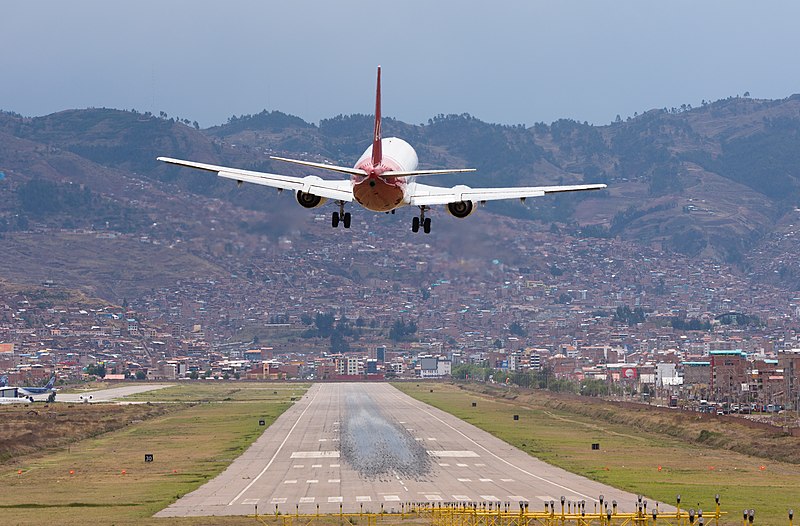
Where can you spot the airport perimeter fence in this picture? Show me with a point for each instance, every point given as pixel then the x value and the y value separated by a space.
pixel 564 513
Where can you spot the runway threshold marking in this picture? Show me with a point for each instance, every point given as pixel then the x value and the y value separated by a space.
pixel 276 453
pixel 307 500
pixel 422 407
pixel 363 498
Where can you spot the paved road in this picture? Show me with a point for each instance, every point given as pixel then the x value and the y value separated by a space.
pixel 107 395
pixel 298 461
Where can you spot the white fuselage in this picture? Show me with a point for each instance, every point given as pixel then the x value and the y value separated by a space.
pixel 382 194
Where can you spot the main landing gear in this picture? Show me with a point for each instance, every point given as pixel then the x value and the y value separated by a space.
pixel 342 216
pixel 423 221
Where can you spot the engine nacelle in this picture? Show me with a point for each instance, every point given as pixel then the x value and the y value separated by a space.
pixel 460 209
pixel 309 200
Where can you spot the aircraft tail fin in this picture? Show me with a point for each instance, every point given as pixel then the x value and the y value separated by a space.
pixel 3 381
pixel 51 382
pixel 377 150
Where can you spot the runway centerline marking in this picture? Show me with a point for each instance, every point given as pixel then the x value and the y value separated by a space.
pixel 276 453
pixel 422 407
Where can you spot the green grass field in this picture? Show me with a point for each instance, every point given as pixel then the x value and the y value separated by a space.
pixel 629 458
pixel 190 446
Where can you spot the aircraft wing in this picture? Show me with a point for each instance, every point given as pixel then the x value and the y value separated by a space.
pixel 426 195
pixel 338 189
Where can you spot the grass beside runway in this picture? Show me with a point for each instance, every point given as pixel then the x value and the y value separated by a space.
pixel 190 446
pixel 629 457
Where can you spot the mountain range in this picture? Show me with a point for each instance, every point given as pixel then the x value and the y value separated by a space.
pixel 719 181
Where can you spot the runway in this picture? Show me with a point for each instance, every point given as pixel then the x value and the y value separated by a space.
pixel 107 395
pixel 369 445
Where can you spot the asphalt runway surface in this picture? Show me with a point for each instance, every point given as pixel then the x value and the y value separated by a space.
pixel 368 446
pixel 107 395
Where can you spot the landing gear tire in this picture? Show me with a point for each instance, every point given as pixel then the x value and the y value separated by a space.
pixel 426 225
pixel 335 220
pixel 415 225
pixel 346 220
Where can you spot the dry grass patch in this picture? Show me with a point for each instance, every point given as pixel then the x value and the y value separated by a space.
pixel 28 429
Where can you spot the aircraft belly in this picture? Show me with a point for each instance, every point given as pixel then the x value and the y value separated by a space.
pixel 381 197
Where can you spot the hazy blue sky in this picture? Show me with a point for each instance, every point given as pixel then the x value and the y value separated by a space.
pixel 507 62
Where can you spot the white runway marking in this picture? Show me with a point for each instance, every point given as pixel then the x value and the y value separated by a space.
pixel 250 501
pixel 334 481
pixel 418 439
pixel 464 480
pixel 312 481
pixel 290 482
pixel 335 499
pixel 462 498
pixel 432 439
pixel 463 465
pixel 334 465
pixel 323 440
pixel 316 465
pixel 545 498
pixel 315 454
pixel 506 480
pixel 391 498
pixel 517 498
pixel 485 480
pixel 452 454
pixel 444 465
pixel 498 457
pixel 490 498
pixel 480 465
pixel 306 500
pixel 279 500
pixel 363 498
pixel 298 466
pixel 433 498
pixel 276 453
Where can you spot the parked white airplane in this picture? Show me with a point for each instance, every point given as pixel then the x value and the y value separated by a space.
pixel 31 392
pixel 382 180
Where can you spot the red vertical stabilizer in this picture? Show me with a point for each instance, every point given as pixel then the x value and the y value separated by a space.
pixel 377 150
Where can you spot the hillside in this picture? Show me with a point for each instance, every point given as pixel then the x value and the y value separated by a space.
pixel 720 181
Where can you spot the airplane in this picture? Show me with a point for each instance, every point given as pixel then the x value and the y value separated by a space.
pixel 30 392
pixel 382 180
pixel 3 381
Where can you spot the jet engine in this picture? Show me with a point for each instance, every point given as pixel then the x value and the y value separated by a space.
pixel 461 209
pixel 309 200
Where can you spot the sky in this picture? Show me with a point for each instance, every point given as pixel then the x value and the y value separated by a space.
pixel 507 62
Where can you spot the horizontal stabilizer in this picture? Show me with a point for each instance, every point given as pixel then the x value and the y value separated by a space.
pixel 322 166
pixel 427 172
